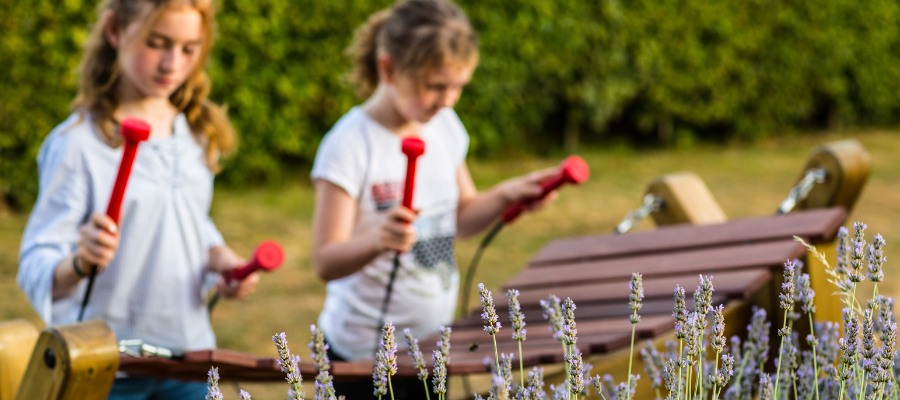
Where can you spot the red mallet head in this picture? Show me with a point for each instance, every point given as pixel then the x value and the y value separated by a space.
pixel 133 131
pixel 268 256
pixel 572 170
pixel 413 147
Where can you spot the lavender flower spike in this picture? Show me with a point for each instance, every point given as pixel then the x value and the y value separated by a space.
pixel 553 314
pixel 857 252
pixel 288 364
pixel 516 316
pixel 843 251
pixel 389 347
pixel 379 375
pixel 444 343
pixel 765 387
pixel 637 294
pixel 718 330
pixel 418 361
pixel 244 395
pixel 787 294
pixel 576 375
pixel 806 295
pixel 703 296
pixel 876 259
pixel 318 349
pixel 569 331
pixel 212 385
pixel 680 313
pixel 492 325
pixel 440 373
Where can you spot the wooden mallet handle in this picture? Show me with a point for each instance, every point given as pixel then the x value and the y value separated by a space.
pixel 572 170
pixel 268 256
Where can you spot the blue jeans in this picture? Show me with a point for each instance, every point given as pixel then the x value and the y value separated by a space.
pixel 156 389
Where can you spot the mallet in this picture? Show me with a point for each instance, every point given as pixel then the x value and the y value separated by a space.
pixel 572 170
pixel 133 131
pixel 267 256
pixel 413 147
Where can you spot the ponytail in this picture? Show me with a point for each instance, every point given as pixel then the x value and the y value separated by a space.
pixel 364 51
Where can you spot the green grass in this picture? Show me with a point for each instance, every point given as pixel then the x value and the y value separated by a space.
pixel 747 180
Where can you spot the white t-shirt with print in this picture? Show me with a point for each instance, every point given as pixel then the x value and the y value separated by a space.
pixel 366 160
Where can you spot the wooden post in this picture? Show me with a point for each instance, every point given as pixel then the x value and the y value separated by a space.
pixel 17 339
pixel 72 362
pixel 687 200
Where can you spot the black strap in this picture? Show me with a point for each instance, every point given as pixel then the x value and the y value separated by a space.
pixel 87 293
pixel 387 299
pixel 470 274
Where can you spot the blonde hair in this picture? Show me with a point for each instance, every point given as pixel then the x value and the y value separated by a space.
pixel 418 35
pixel 100 72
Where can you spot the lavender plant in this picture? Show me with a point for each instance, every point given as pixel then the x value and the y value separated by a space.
pixel 489 316
pixel 518 327
pixel 634 302
pixel 787 304
pixel 212 385
pixel 440 374
pixel 324 388
pixel 288 364
pixel 856 361
pixel 412 345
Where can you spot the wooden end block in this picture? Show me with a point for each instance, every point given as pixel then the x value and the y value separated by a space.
pixel 686 200
pixel 69 362
pixel 847 163
pixel 17 340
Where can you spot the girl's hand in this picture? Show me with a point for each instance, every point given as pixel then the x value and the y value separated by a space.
pixel 397 232
pixel 224 261
pixel 528 187
pixel 98 243
pixel 237 289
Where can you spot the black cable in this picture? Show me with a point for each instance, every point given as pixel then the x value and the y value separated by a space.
pixel 387 298
pixel 470 273
pixel 212 302
pixel 87 293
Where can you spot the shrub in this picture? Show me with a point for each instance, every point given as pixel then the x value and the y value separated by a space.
pixel 553 74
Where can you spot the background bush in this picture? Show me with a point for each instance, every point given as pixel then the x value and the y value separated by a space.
pixel 553 74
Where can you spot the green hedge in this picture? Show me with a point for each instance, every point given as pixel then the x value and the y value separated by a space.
pixel 553 74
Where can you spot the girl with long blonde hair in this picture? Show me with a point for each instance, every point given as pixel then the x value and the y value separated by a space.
pixel 144 59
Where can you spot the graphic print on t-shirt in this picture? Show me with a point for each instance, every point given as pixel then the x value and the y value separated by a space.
pixel 434 249
pixel 387 194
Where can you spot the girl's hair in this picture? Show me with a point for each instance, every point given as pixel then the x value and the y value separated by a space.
pixel 101 71
pixel 418 35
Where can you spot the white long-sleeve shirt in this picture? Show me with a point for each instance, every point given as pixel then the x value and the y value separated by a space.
pixel 154 288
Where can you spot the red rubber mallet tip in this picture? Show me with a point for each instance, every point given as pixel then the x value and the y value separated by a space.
pixel 413 147
pixel 269 255
pixel 135 130
pixel 575 169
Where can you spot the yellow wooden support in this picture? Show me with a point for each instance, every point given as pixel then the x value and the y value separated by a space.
pixel 17 339
pixel 72 362
pixel 847 163
pixel 828 303
pixel 686 200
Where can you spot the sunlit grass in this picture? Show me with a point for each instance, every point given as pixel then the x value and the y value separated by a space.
pixel 746 180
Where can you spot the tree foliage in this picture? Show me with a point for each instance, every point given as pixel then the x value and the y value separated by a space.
pixel 552 74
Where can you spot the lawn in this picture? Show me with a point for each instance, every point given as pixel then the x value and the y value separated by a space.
pixel 747 180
